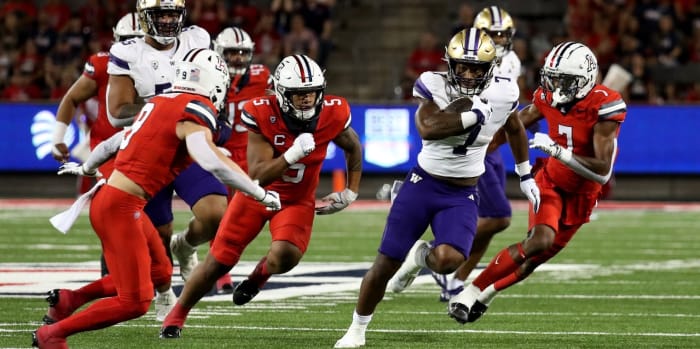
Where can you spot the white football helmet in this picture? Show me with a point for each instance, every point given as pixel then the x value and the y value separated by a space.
pixel 498 24
pixel 128 27
pixel 235 42
pixel 570 71
pixel 203 72
pixel 154 17
pixel 299 74
pixel 470 57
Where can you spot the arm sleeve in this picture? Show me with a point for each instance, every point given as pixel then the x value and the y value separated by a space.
pixel 103 151
pixel 203 154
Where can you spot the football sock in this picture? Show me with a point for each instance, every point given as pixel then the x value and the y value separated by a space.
pixel 508 281
pixel 360 320
pixel 501 265
pixel 455 284
pixel 260 275
pixel 100 288
pixel 100 314
pixel 486 296
pixel 177 316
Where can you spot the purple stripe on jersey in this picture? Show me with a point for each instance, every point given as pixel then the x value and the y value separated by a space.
pixel 118 62
pixel 420 87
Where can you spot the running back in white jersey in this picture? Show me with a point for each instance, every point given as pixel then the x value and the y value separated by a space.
pixel 152 70
pixel 452 156
pixel 509 66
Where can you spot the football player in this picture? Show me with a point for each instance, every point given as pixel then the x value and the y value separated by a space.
pixel 247 81
pixel 289 134
pixel 459 112
pixel 93 83
pixel 142 68
pixel 584 120
pixel 494 209
pixel 176 128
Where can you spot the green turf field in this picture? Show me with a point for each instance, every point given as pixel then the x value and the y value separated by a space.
pixel 630 279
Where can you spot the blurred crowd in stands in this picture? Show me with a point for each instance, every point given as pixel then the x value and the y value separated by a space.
pixel 43 47
pixel 644 37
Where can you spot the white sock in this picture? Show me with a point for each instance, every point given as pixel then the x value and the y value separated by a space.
pixel 487 295
pixel 422 255
pixel 360 320
pixel 455 284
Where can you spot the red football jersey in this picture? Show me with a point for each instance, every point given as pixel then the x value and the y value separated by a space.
pixel 262 115
pixel 574 131
pixel 96 69
pixel 151 154
pixel 243 88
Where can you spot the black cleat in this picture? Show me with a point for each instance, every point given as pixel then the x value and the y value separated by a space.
pixel 476 311
pixel 170 332
pixel 53 299
pixel 244 292
pixel 35 340
pixel 459 312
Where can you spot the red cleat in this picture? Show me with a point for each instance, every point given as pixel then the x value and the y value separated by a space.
pixel 224 285
pixel 42 340
pixel 60 306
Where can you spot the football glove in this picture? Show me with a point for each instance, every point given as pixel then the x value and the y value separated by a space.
pixel 335 202
pixel 271 200
pixel 483 110
pixel 77 169
pixel 303 145
pixel 542 142
pixel 528 185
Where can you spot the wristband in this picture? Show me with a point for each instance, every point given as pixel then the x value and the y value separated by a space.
pixel 523 168
pixel 564 155
pixel 259 194
pixel 469 118
pixel 59 132
pixel 350 195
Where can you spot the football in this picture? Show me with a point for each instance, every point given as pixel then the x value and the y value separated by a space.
pixel 459 105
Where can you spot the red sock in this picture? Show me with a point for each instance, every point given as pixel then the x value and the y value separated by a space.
pixel 507 281
pixel 259 276
pixel 177 316
pixel 501 265
pixel 101 288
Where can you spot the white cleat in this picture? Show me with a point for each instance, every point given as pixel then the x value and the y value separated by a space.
pixel 409 269
pixel 164 303
pixel 185 254
pixel 353 338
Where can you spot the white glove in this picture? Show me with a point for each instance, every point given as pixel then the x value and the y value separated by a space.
pixel 77 169
pixel 542 142
pixel 530 189
pixel 303 145
pixel 528 185
pixel 482 107
pixel 337 201
pixel 271 200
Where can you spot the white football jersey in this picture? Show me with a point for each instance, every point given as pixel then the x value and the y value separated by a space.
pixel 447 157
pixel 510 66
pixel 152 70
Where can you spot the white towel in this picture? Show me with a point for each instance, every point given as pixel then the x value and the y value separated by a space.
pixel 65 220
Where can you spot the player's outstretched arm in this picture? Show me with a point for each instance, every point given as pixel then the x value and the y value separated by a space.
pixel 202 149
pixel 82 89
pixel 349 141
